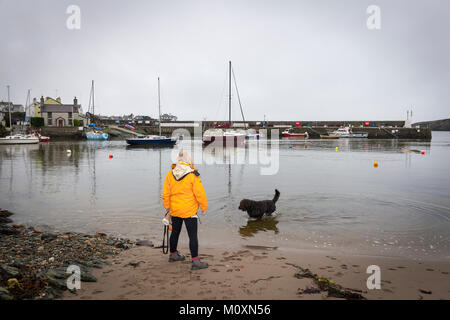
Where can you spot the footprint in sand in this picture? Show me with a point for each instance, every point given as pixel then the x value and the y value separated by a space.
pixel 429 269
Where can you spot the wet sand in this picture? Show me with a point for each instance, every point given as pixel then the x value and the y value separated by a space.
pixel 258 272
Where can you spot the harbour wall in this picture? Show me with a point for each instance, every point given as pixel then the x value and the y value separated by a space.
pixel 315 132
pixel 62 132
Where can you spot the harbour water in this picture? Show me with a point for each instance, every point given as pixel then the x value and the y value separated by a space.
pixel 333 199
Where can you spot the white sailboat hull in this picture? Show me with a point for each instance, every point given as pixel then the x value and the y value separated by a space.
pixel 13 140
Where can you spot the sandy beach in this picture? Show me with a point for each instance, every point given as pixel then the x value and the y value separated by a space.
pixel 258 272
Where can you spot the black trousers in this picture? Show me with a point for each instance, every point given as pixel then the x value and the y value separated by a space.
pixel 191 226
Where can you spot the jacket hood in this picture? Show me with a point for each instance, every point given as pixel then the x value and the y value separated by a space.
pixel 181 169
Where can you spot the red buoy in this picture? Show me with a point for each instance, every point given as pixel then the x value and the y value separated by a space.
pixel 422 152
pixel 110 156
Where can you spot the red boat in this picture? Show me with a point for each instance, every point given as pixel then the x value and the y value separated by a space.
pixel 42 138
pixel 287 133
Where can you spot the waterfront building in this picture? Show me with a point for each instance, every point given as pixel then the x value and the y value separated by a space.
pixel 57 114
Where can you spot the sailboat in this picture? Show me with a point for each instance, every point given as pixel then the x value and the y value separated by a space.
pixel 229 137
pixel 153 140
pixel 95 133
pixel 17 138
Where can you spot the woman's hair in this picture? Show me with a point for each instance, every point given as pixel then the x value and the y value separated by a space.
pixel 184 157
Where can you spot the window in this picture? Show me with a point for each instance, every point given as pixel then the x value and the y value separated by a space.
pixel 49 114
pixel 49 121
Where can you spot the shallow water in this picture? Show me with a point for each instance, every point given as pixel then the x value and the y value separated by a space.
pixel 329 199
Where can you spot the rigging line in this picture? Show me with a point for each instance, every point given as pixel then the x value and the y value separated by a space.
pixel 239 99
pixel 221 98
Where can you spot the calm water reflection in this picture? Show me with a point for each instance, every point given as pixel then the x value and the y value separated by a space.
pixel 333 199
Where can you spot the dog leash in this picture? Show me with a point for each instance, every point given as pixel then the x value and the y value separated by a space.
pixel 165 241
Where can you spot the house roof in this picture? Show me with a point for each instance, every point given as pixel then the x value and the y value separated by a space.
pixel 60 108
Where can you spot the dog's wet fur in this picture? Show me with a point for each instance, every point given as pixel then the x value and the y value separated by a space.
pixel 256 209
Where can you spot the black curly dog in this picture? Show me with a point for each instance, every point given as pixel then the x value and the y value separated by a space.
pixel 256 209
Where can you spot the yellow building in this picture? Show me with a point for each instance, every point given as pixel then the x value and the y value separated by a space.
pixel 35 108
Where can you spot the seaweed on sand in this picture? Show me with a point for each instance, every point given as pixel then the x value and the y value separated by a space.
pixel 329 286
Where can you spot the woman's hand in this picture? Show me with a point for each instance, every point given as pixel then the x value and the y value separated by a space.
pixel 203 213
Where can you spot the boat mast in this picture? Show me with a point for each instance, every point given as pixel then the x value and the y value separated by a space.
pixel 159 108
pixel 92 90
pixel 229 94
pixel 9 109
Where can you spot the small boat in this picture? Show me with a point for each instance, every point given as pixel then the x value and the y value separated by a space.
pixel 346 132
pixel 41 138
pixel 96 135
pixel 222 135
pixel 152 140
pixel 224 138
pixel 288 133
pixel 19 139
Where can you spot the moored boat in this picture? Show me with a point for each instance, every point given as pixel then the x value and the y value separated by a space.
pixel 288 134
pixel 223 135
pixel 224 138
pixel 19 139
pixel 42 138
pixel 153 140
pixel 96 135
pixel 346 132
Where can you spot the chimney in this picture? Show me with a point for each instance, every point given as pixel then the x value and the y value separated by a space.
pixel 75 101
pixel 42 101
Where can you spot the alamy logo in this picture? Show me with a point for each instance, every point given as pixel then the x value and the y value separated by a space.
pixel 374 19
pixel 74 280
pixel 73 22
pixel 374 280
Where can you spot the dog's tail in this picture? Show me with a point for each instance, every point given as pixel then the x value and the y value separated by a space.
pixel 277 195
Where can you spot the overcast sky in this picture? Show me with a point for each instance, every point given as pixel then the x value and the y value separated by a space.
pixel 293 60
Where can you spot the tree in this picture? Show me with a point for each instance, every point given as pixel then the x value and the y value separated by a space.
pixel 77 123
pixel 37 122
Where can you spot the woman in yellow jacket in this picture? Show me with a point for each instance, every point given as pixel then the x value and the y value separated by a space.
pixel 183 194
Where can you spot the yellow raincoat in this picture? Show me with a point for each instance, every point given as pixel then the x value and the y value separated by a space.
pixel 183 192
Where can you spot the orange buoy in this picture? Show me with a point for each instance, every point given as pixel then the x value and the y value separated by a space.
pixel 375 164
